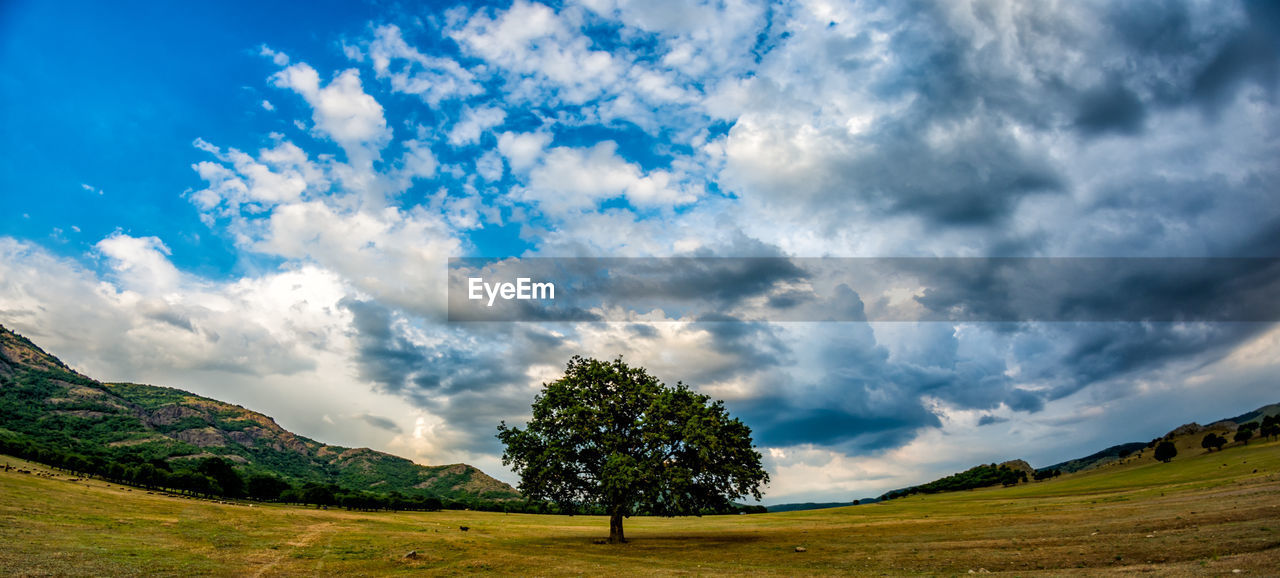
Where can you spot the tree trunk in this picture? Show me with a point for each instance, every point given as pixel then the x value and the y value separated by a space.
pixel 615 527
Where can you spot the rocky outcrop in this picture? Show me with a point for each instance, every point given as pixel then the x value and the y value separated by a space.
pixel 1185 429
pixel 205 437
pixel 1019 466
pixel 171 414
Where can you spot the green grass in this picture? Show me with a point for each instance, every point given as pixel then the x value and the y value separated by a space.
pixel 1202 513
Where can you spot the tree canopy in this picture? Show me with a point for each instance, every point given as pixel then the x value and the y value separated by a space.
pixel 1213 441
pixel 1166 451
pixel 611 435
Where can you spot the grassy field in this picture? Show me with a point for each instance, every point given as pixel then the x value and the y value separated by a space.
pixel 1213 513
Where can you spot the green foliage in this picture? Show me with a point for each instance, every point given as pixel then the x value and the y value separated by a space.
pixel 220 470
pixel 265 487
pixel 1046 474
pixel 1166 451
pixel 1213 441
pixel 610 435
pixel 149 397
pixel 1244 435
pixel 975 477
pixel 184 424
pixel 1270 427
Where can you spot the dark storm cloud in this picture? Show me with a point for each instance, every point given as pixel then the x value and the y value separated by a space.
pixel 977 181
pixel 1169 57
pixel 1251 54
pixel 380 423
pixel 999 79
pixel 1111 108
pixel 481 359
pixel 1099 289
pixel 642 331
pixel 755 347
pixel 384 357
pixel 1105 352
pixel 779 422
pixel 989 419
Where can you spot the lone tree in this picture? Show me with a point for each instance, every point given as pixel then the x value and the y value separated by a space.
pixel 610 435
pixel 1243 435
pixel 1165 451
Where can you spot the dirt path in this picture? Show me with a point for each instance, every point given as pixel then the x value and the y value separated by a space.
pixel 306 538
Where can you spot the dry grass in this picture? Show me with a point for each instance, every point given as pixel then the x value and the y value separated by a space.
pixel 1201 514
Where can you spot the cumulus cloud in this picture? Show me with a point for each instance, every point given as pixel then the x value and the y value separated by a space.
pixel 530 38
pixel 563 180
pixel 475 121
pixel 341 110
pixel 433 79
pixel 148 316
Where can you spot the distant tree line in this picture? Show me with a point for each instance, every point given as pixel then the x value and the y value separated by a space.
pixel 975 477
pixel 1268 428
pixel 1047 473
pixel 216 477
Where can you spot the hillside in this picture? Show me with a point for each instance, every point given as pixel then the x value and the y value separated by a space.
pixel 46 404
pixel 1121 451
pixel 1255 415
pixel 1093 460
pixel 1186 438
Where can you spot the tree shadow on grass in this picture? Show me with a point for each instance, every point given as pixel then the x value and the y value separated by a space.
pixel 661 540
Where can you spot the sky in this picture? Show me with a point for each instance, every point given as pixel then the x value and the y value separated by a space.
pixel 257 202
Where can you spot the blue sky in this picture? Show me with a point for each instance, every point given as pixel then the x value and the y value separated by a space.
pixel 256 201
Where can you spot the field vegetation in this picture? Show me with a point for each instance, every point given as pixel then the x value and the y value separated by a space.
pixel 1205 512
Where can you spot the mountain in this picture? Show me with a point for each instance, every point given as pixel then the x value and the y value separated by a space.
pixel 46 404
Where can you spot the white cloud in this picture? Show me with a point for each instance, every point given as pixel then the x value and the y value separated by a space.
pixel 565 180
pixel 267 106
pixel 141 263
pixel 279 58
pixel 522 150
pixel 699 38
pixel 283 204
pixel 433 79
pixel 418 161
pixel 547 59
pixel 474 122
pixel 240 187
pixel 148 316
pixel 530 38
pixel 489 166
pixel 341 110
